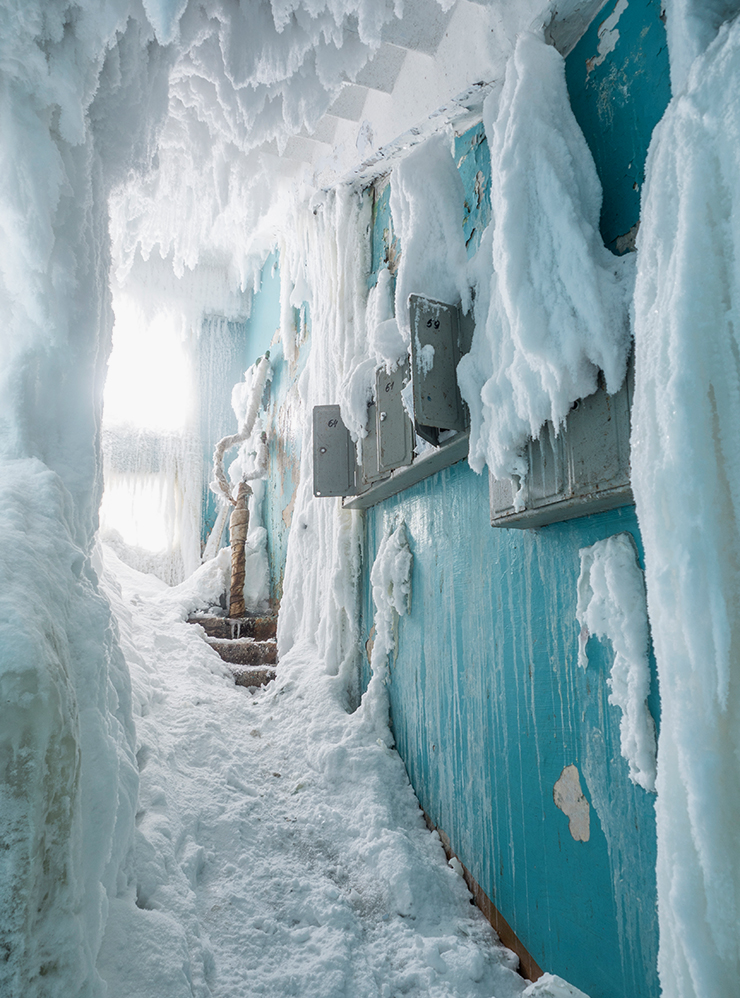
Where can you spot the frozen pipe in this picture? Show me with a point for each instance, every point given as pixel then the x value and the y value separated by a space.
pixel 245 431
pixel 238 528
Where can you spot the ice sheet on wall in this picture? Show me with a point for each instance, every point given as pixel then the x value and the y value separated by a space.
pixel 687 488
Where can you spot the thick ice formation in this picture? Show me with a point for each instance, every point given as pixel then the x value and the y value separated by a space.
pixel 320 606
pixel 687 487
pixel 692 25
pixel 68 778
pixel 69 136
pixel 427 205
pixel 390 578
pixel 550 307
pixel 611 604
pixel 246 400
pixel 245 76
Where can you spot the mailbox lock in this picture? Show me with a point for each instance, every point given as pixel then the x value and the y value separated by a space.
pixel 322 450
pixel 383 416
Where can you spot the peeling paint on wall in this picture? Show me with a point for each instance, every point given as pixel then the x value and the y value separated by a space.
pixel 608 37
pixel 288 511
pixel 569 797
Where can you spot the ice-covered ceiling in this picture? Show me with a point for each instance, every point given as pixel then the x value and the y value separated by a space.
pixel 287 95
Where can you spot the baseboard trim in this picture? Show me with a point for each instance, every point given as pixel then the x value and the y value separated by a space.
pixel 528 966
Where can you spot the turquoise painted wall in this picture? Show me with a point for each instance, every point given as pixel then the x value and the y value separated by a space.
pixel 488 704
pixel 473 161
pixel 618 101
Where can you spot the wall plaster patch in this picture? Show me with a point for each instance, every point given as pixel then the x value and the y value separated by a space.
pixel 568 796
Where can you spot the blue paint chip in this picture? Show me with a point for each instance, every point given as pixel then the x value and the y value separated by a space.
pixel 618 95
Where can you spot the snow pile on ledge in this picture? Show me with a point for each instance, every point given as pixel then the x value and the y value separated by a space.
pixel 551 301
pixel 611 604
pixel 686 479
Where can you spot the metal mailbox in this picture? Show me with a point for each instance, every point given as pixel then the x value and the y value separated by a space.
pixel 435 352
pixel 583 469
pixel 334 455
pixel 395 433
pixel 370 472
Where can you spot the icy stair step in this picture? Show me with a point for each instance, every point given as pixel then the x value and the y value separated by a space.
pixel 252 675
pixel 245 651
pixel 246 644
pixel 259 628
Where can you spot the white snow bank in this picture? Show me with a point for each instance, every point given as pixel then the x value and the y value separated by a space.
pixel 611 604
pixel 279 845
pixel 686 479
pixel 68 779
pixel 550 307
pixel 551 986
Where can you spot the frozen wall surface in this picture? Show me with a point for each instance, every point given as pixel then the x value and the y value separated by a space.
pixel 514 751
pixel 685 475
pixel 74 80
pixel 320 605
pixel 68 777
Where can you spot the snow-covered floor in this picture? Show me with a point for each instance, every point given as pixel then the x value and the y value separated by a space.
pixel 280 849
